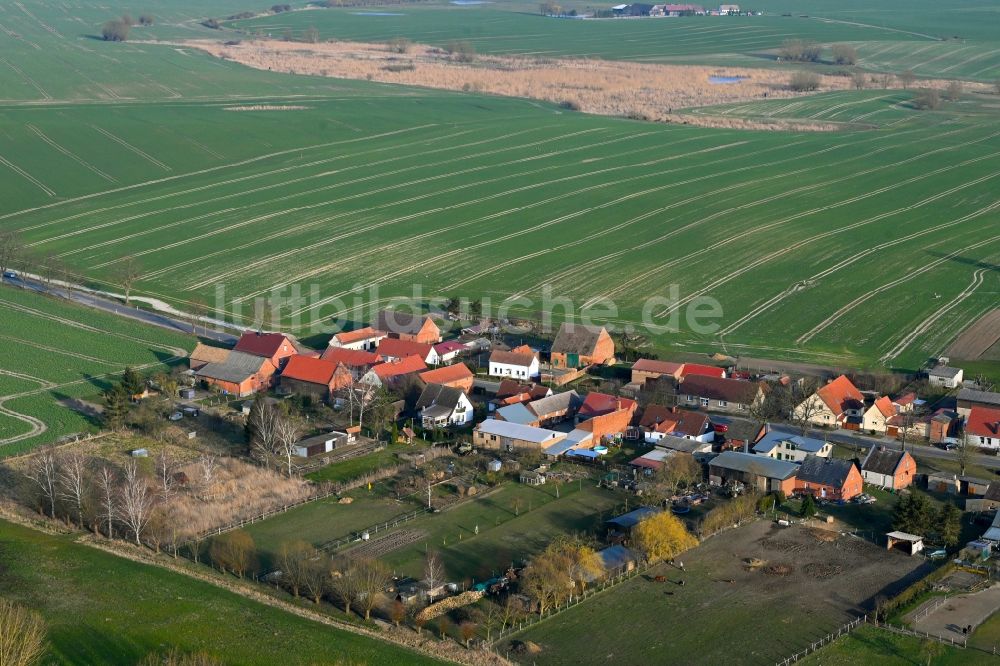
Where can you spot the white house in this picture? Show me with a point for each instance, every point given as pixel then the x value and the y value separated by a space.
pixel 791 448
pixel 442 406
pixel 516 364
pixel 363 339
pixel 876 417
pixel 945 376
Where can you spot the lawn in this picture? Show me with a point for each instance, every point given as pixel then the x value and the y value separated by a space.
pixel 868 645
pixel 99 608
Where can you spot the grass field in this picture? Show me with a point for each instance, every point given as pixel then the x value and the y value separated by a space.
pixel 54 351
pixel 868 645
pixel 99 608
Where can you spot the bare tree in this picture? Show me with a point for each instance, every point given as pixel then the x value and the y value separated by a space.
pixel 73 482
pixel 164 474
pixel 22 635
pixel 360 394
pixel 136 501
pixel 316 577
pixel 294 559
pixel 108 511
pixel 907 78
pixel 954 91
pixel 262 429
pixel 43 469
pixel 373 576
pixel 963 452
pixel 345 584
pixel 128 272
pixel 287 435
pixel 208 464
pixel 433 572
pixel 11 251
pixel 802 404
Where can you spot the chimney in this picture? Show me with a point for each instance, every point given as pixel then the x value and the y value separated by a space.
pixel 618 404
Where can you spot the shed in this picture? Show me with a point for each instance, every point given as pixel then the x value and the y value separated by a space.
pixel 314 446
pixel 532 477
pixel 494 466
pixel 909 543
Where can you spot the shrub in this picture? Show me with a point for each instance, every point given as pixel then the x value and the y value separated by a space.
pixel 845 54
pixel 569 105
pixel 146 20
pixel 800 50
pixel 954 91
pixel 310 35
pixel 400 45
pixel 461 51
pixel 927 99
pixel 401 67
pixel 211 23
pixel 804 81
pixel 277 9
pixel 115 31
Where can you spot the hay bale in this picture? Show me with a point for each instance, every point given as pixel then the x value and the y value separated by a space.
pixel 345 500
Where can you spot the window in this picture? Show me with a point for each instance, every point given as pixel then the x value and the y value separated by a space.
pixel 723 403
pixel 704 402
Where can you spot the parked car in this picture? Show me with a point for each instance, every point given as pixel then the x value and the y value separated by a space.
pixel 176 416
pixel 10 275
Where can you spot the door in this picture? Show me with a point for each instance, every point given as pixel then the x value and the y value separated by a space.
pixel 573 360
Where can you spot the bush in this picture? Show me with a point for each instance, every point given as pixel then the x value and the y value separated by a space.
pixel 800 50
pixel 461 51
pixel 115 31
pixel 211 23
pixel 927 99
pixel 569 105
pixel 400 45
pixel 804 81
pixel 146 20
pixel 845 54
pixel 277 9
pixel 310 35
pixel 401 67
pixel 954 91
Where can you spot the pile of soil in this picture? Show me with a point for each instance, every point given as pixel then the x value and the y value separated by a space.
pixel 779 569
pixel 822 571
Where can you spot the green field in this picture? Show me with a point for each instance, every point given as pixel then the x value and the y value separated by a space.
pixel 99 608
pixel 54 351
pixel 868 645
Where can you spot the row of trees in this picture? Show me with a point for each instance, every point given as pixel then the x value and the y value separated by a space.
pixel 117 30
pixel 915 514
pixel 803 50
pixel 734 512
pixel 560 572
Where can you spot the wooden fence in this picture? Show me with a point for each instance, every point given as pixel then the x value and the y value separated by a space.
pixel 384 526
pixel 825 640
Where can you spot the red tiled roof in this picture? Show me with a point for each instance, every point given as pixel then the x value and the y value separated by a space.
pixel 366 333
pixel 308 369
pixel 596 404
pixel 403 348
pixel 263 344
pixel 401 367
pixel 449 346
pixel 730 390
pixel 652 365
pixel 885 407
pixel 702 370
pixel 352 358
pixel 446 374
pixel 839 394
pixel 905 400
pixel 983 422
pixel 673 420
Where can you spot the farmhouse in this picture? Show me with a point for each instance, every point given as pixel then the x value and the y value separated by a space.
pixel 305 375
pixel 394 349
pixel 362 339
pixel 241 374
pixel 885 468
pixel 603 420
pixel 828 478
pixel 457 376
pixel 408 326
pixel 677 10
pixel 945 376
pixel 657 421
pixel 449 350
pixel 832 403
pixel 393 372
pixel 759 472
pixel 876 417
pixel 510 392
pixel 789 447
pixel 204 354
pixel 557 407
pixel 357 361
pixel 441 406
pixel 740 434
pixel 969 398
pixel 520 363
pixel 724 395
pixel 729 9
pixel 505 436
pixel 578 346
pixel 983 427
pixel 275 347
pixel 646 368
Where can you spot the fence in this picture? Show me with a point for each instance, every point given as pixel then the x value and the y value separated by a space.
pixel 825 640
pixel 921 634
pixel 930 608
pixel 334 457
pixel 385 526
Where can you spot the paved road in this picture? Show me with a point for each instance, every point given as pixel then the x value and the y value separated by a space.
pixel 114 307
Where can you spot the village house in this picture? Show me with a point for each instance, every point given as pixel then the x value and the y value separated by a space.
pixel 657 422
pixel 677 10
pixel 832 404
pixel 739 434
pixel 681 445
pixel 983 427
pixel 395 349
pixel 357 361
pixel 729 9
pixel 275 347
pixel 790 447
pixel 646 368
pixel 888 469
pixel 578 346
pixel 757 472
pixel 944 376
pixel 362 339
pixel 519 412
pixel 305 375
pixel 828 478
pixel 556 407
pixel 596 404
pixel 969 398
pixel 457 376
pixel 449 350
pixel 604 422
pixel 204 354
pixel 510 392
pixel 394 371
pixel 442 406
pixel 701 370
pixel 498 435
pixel 724 395
pixel 241 374
pixel 876 417
pixel 408 326
pixel 942 424
pixel 519 363
pixel 906 403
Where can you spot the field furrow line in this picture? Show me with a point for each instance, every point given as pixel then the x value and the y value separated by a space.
pixel 823 325
pixel 128 146
pixel 76 158
pixel 27 176
pixel 20 375
pixel 974 56
pixel 927 323
pixel 30 81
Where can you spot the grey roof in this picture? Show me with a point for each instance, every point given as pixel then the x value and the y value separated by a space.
pixel 439 395
pixel 944 371
pixel 517 413
pixel 576 339
pixel 396 321
pixel 752 463
pixel 517 431
pixel 683 445
pixel 615 557
pixel 825 471
pixel 882 461
pixel 743 430
pixel 633 518
pixel 981 397
pixel 236 368
pixel 557 402
pixel 773 438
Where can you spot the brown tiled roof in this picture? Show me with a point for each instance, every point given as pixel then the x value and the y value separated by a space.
pixel 576 339
pixel 263 344
pixel 729 390
pixel 446 374
pixel 511 358
pixel 366 333
pixel 209 354
pixel 652 365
